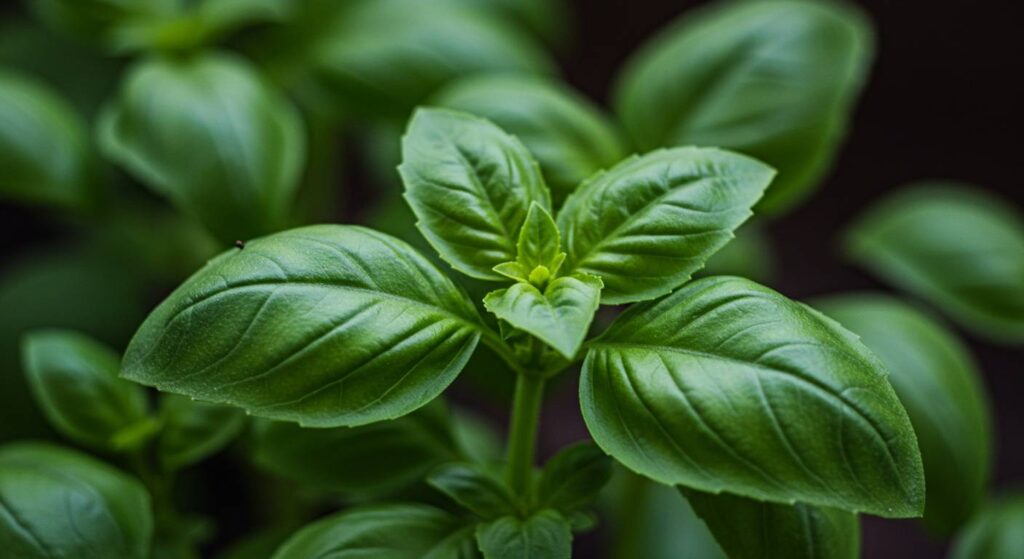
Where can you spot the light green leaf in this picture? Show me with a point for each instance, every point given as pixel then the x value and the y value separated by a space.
pixel 560 316
pixel 192 431
pixel 749 529
pixel 539 241
pixel 544 535
pixel 44 149
pixel 60 503
pixel 470 186
pixel 726 385
pixel 74 381
pixel 210 134
pixel 474 489
pixel 384 532
pixel 996 533
pixel 776 80
pixel 954 245
pixel 649 223
pixel 572 478
pixel 570 136
pixel 326 325
pixel 938 382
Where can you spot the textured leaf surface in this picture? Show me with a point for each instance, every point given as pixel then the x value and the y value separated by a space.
pixel 327 325
pixel 193 430
pixel 749 529
pixel 939 384
pixel 728 386
pixel 996 533
pixel 470 185
pixel 954 245
pixel 544 535
pixel 649 223
pixel 473 488
pixel 208 133
pixel 60 503
pixel 775 80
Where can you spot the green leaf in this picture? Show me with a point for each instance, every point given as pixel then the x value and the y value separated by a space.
pixel 470 185
pixel 210 134
pixel 60 503
pixel 544 535
pixel 749 529
pixel 996 533
pixel 44 149
pixel 546 18
pixel 750 255
pixel 956 246
pixel 726 385
pixel 384 57
pixel 539 242
pixel 474 489
pixel 193 431
pixel 939 384
pixel 560 316
pixel 649 223
pixel 570 136
pixel 572 478
pixel 74 381
pixel 396 531
pixel 365 461
pixel 775 80
pixel 326 325
pixel 98 21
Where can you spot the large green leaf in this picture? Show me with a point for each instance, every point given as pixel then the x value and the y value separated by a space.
pixel 192 430
pixel 59 503
pixel 210 134
pixel 570 137
pixel 44 149
pixel 543 535
pixel 776 80
pixel 749 529
pixel 384 532
pixel 387 56
pixel 326 325
pixel 938 382
pixel 728 386
pixel 470 185
pixel 958 247
pixel 74 380
pixel 996 533
pixel 649 223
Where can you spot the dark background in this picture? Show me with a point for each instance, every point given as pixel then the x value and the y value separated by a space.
pixel 944 101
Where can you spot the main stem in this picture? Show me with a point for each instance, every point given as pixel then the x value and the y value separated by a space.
pixel 522 438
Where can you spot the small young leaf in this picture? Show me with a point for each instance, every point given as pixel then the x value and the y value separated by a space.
pixel 193 430
pixel 327 325
pixel 74 380
pixel 560 315
pixel 397 531
pixel 60 503
pixel 208 133
pixel 749 529
pixel 939 384
pixel 726 385
pixel 474 489
pixel 544 535
pixel 470 186
pixel 775 80
pixel 539 241
pixel 956 246
pixel 995 533
pixel 573 477
pixel 570 137
pixel 647 224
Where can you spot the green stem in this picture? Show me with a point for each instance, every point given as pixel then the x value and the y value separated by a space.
pixel 522 439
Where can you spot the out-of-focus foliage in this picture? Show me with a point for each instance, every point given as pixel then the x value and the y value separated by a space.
pixel 996 533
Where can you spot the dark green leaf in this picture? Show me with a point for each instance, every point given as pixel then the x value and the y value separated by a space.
pixel 547 18
pixel 650 222
pixel 97 21
pixel 573 477
pixel 474 489
pixel 776 80
pixel 470 186
pixel 207 132
pixel 956 246
pixel 996 533
pixel 74 380
pixel 544 535
pixel 384 532
pixel 728 386
pixel 326 325
pixel 938 382
pixel 59 503
pixel 570 137
pixel 193 430
pixel 749 529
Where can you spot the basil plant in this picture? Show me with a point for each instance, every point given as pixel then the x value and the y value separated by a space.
pixel 762 411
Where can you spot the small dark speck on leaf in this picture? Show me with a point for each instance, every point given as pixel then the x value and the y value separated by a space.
pixel 240 244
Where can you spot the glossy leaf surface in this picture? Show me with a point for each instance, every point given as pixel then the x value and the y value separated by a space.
pixel 544 535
